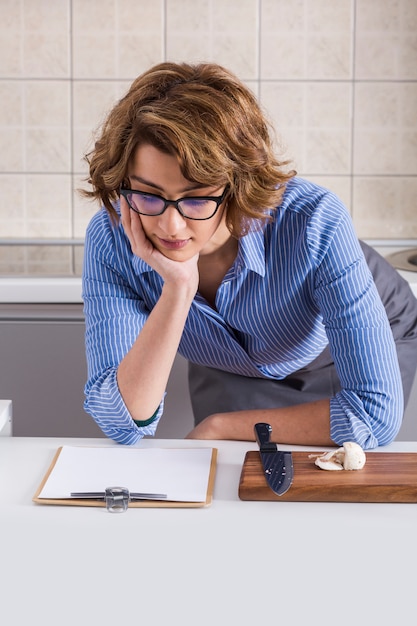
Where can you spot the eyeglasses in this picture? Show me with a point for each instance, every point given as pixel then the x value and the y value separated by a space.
pixel 192 208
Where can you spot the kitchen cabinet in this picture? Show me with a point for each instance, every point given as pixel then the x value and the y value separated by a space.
pixel 43 371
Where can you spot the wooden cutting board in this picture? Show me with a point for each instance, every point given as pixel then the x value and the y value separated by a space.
pixel 386 477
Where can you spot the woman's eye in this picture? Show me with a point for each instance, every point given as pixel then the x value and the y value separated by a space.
pixel 146 198
pixel 195 202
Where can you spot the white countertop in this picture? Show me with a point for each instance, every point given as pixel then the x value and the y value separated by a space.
pixel 56 290
pixel 233 562
pixel 62 290
pixel 32 289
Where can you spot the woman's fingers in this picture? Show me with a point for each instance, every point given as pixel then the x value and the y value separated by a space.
pixel 140 244
pixel 125 215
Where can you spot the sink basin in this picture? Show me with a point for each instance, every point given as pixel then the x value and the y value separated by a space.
pixel 413 259
pixel 404 260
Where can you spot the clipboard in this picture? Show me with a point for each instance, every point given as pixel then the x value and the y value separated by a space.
pixel 70 501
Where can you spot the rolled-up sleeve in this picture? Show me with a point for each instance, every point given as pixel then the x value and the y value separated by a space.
pixel 114 316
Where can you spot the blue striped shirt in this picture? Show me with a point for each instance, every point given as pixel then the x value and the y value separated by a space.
pixel 297 284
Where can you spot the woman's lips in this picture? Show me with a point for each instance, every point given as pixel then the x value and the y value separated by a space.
pixel 173 244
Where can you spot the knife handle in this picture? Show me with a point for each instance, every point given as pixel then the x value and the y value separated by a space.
pixel 263 433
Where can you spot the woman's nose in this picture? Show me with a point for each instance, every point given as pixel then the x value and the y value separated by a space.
pixel 171 220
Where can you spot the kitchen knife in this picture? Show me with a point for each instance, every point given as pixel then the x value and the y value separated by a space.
pixel 278 467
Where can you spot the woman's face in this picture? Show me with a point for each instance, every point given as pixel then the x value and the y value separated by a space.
pixel 175 236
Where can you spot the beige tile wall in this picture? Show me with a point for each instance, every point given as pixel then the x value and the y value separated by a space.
pixel 338 78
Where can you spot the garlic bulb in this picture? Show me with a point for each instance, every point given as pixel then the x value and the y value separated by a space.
pixel 349 457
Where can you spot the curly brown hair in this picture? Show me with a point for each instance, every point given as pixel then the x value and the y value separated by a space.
pixel 211 121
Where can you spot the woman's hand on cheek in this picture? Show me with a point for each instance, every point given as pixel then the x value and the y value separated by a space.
pixel 175 272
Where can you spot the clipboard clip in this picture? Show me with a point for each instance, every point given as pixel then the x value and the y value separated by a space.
pixel 117 498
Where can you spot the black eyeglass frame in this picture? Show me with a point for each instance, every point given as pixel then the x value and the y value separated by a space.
pixel 125 191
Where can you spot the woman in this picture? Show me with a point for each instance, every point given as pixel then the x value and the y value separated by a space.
pixel 207 245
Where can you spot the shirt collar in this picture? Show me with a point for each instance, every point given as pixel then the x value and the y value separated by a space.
pixel 252 250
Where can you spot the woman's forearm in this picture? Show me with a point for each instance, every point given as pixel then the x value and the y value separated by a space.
pixel 143 374
pixel 303 424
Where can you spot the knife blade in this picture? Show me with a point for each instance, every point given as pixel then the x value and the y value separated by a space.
pixel 277 465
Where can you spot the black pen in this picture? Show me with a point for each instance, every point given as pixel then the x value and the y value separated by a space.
pixel 100 495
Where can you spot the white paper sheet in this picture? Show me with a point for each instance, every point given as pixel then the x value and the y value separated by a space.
pixel 181 474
